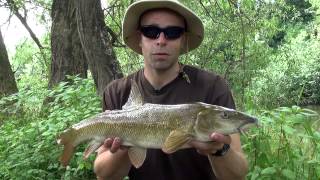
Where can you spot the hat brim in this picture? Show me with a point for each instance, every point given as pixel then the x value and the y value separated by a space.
pixel 131 38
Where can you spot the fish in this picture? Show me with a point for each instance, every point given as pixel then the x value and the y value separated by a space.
pixel 145 125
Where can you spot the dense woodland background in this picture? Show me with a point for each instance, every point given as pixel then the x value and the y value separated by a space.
pixel 269 51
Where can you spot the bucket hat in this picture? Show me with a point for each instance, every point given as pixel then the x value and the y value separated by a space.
pixel 130 23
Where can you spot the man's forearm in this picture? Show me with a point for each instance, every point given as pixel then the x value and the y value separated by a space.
pixel 233 165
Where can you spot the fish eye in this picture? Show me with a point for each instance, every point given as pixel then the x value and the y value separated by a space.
pixel 224 115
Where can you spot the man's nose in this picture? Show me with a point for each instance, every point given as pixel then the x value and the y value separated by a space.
pixel 161 39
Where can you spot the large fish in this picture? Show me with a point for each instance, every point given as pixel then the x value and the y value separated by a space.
pixel 144 125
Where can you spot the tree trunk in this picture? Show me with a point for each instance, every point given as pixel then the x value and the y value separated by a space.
pixel 96 43
pixel 7 81
pixel 68 57
pixel 79 38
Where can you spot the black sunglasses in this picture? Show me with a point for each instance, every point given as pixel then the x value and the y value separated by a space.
pixel 170 33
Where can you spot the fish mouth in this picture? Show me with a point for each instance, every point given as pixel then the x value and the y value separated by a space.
pixel 247 125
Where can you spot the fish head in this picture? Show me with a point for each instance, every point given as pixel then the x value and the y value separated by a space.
pixel 213 118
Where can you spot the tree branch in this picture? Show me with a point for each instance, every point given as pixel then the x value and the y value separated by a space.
pixel 208 13
pixel 114 37
pixel 23 20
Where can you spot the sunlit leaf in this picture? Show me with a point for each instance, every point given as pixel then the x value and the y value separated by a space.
pixel 287 173
pixel 269 171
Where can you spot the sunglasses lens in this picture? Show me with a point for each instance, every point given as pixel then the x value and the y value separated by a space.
pixel 151 32
pixel 170 33
pixel 173 32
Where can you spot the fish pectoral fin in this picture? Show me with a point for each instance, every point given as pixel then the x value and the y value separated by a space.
pixel 137 156
pixel 93 146
pixel 203 121
pixel 175 140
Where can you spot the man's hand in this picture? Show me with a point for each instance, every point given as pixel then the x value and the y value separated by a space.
pixel 205 148
pixel 231 166
pixel 112 161
pixel 112 145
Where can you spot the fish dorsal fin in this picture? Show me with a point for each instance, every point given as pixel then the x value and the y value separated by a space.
pixel 137 156
pixel 93 146
pixel 135 97
pixel 175 141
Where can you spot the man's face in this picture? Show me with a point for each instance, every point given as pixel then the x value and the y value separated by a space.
pixel 161 53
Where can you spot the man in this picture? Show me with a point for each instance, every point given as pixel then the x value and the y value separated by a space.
pixel 162 30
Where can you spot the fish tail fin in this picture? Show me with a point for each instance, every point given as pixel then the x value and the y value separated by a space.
pixel 67 139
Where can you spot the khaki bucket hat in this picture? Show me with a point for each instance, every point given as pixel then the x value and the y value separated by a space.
pixel 195 30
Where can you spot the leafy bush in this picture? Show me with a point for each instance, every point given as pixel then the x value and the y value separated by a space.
pixel 286 146
pixel 29 62
pixel 29 150
pixel 292 76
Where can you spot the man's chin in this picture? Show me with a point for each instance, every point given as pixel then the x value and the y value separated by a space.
pixel 162 66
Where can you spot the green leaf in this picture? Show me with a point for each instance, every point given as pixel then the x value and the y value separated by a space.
pixel 289 130
pixel 314 161
pixel 288 173
pixel 269 171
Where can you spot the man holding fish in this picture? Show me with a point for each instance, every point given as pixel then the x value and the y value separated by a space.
pixel 162 30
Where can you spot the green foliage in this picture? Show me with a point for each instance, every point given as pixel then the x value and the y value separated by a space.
pixel 301 10
pixel 31 65
pixel 285 146
pixel 41 8
pixel 28 148
pixel 292 76
pixel 27 61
